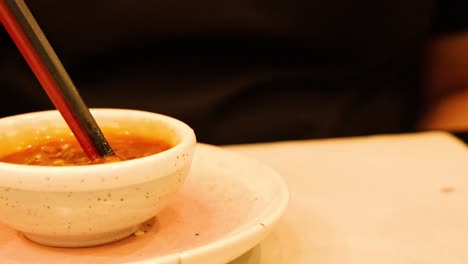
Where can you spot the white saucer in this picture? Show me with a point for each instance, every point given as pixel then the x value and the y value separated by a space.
pixel 227 206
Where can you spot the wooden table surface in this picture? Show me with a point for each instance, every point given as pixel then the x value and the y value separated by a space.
pixel 382 199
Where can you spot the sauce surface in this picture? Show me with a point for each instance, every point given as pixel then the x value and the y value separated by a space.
pixel 67 151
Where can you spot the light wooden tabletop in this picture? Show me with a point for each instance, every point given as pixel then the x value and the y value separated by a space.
pixel 386 199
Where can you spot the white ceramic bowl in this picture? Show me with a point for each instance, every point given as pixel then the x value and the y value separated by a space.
pixel 76 206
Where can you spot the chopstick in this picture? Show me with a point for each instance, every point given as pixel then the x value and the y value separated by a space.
pixel 45 64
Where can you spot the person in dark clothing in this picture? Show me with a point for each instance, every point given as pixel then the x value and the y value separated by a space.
pixel 253 70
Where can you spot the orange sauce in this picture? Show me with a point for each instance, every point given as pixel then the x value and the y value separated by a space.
pixel 67 151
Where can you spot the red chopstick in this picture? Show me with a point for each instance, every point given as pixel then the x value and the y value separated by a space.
pixel 41 58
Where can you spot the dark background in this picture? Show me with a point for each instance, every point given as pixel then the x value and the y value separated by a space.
pixel 241 71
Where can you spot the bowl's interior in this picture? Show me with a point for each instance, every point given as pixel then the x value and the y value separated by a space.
pixel 26 130
pixel 23 131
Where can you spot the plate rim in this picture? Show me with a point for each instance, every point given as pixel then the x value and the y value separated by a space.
pixel 265 223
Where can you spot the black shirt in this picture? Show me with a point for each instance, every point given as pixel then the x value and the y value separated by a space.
pixel 241 71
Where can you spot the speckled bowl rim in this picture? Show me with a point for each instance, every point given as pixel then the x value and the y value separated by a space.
pixel 100 176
